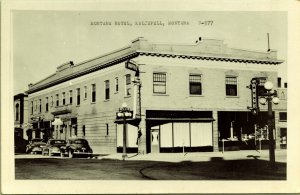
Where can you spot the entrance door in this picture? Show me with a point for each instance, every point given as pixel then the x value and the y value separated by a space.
pixel 154 140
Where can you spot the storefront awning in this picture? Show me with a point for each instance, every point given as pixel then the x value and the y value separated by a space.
pixel 132 121
pixel 180 119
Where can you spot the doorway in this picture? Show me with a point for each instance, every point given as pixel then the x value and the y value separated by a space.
pixel 154 140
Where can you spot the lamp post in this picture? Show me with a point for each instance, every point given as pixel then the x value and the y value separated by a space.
pixel 124 113
pixel 270 97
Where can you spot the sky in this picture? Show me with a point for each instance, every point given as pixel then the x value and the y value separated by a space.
pixel 43 40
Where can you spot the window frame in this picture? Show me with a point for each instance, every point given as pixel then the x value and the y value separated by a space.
pixel 85 92
pixel 77 96
pixel 47 104
pixel 57 100
pixel 106 90
pixel 63 95
pixel 190 79
pixel 40 105
pixel 31 107
pixel 282 118
pixel 164 83
pixel 17 107
pixel 128 85
pixel 230 84
pixel 70 97
pixel 116 85
pixel 93 93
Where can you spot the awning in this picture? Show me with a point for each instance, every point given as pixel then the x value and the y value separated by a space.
pixel 180 119
pixel 131 121
pixel 57 121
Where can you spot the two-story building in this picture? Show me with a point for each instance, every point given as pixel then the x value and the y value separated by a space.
pixel 189 96
pixel 20 115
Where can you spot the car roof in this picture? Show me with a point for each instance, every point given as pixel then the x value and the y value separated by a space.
pixel 56 140
pixel 77 138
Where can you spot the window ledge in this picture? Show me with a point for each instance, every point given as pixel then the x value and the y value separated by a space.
pixel 158 94
pixel 93 102
pixel 106 100
pixel 232 97
pixel 127 96
pixel 116 92
pixel 78 105
pixel 194 95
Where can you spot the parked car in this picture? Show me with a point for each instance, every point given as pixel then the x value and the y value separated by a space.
pixel 53 147
pixel 35 146
pixel 76 147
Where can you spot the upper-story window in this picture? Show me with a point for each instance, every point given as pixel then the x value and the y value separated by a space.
pixel 31 107
pixel 52 101
pixel 93 92
pixel 40 100
pixel 159 83
pixel 106 89
pixel 78 96
pixel 47 104
pixel 57 100
pixel 231 85
pixel 260 88
pixel 116 84
pixel 195 84
pixel 85 92
pixel 128 85
pixel 64 98
pixel 17 112
pixel 282 116
pixel 70 96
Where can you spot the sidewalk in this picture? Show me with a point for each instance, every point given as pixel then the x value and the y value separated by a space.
pixel 280 156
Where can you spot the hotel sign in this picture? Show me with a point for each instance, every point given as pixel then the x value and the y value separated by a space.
pixel 132 66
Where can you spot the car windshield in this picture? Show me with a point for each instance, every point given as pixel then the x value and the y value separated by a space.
pixel 53 142
pixel 37 140
pixel 80 141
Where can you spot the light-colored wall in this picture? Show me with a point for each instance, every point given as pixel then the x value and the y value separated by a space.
pixel 213 83
pixel 96 115
pixel 93 115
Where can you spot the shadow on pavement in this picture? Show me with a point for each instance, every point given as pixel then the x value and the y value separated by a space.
pixel 82 169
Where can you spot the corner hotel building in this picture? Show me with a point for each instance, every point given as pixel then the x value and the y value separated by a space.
pixel 184 95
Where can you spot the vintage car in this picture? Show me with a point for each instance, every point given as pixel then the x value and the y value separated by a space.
pixel 76 147
pixel 53 147
pixel 35 146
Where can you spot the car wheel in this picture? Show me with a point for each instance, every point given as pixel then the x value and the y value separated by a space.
pixel 71 155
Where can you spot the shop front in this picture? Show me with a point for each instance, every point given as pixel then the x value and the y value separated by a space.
pixel 240 130
pixel 179 131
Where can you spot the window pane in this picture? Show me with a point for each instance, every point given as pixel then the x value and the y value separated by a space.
pixel 93 92
pixel 107 89
pixel 159 83
pixel 195 84
pixel 231 86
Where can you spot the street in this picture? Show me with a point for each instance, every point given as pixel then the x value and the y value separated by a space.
pixel 197 166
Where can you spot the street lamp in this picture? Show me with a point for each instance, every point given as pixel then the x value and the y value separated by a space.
pixel 124 113
pixel 269 97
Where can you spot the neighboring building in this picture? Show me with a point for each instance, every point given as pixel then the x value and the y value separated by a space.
pixel 21 115
pixel 281 121
pixel 190 95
